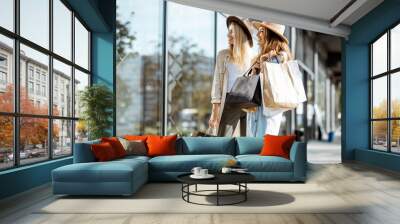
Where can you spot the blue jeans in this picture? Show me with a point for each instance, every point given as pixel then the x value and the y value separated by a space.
pixel 259 125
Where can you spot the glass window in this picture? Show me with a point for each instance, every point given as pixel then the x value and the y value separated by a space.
pixel 395 47
pixel 190 68
pixel 81 131
pixel 395 136
pixel 39 61
pixel 62 71
pixel 379 56
pixel 6 142
pixel 395 95
pixel 7 14
pixel 34 21
pixel 139 67
pixel 30 71
pixel 3 61
pixel 37 89
pixel 81 45
pixel 62 138
pixel 222 32
pixel 379 98
pixel 379 135
pixel 31 88
pixel 33 140
pixel 381 118
pixel 43 90
pixel 34 78
pixel 81 82
pixel 62 29
pixel 6 73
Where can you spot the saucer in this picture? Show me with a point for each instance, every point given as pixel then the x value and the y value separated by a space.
pixel 208 176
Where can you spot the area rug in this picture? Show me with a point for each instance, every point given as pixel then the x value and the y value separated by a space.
pixel 166 198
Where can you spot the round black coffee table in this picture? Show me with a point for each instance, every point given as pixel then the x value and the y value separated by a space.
pixel 238 179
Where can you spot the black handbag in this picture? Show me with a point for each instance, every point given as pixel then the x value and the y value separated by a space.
pixel 245 92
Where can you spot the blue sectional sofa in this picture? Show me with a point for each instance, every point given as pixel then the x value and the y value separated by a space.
pixel 125 176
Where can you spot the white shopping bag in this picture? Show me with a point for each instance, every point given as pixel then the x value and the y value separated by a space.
pixel 282 85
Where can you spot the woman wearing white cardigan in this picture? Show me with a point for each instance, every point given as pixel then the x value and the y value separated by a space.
pixel 230 64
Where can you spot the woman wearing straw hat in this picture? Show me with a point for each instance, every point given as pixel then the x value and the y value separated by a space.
pixel 274 48
pixel 230 64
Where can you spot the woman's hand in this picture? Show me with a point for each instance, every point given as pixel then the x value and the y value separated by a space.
pixel 268 56
pixel 213 122
pixel 214 118
pixel 256 68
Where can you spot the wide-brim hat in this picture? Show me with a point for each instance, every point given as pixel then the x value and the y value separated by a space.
pixel 278 29
pixel 234 19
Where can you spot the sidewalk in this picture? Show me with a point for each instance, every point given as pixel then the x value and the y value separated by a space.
pixel 321 152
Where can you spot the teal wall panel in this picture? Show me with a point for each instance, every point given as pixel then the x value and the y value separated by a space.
pixel 24 178
pixel 356 102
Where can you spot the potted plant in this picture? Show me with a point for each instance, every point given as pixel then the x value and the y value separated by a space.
pixel 96 102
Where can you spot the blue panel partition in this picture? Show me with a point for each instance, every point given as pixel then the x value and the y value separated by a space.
pixel 355 67
pixel 356 104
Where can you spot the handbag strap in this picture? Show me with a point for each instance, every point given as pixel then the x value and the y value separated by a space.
pixel 247 72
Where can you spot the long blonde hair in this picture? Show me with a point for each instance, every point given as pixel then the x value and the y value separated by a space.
pixel 274 43
pixel 240 49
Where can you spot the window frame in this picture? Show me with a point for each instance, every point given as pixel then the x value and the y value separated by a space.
pixel 16 114
pixel 388 74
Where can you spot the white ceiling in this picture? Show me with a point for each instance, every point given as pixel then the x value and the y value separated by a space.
pixel 320 9
pixel 314 15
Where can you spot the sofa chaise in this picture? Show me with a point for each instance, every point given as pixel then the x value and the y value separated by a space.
pixel 125 176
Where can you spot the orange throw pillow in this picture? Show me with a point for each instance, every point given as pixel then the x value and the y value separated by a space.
pixel 116 145
pixel 103 152
pixel 277 145
pixel 161 145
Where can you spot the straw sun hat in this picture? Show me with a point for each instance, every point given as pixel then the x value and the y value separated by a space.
pixel 234 19
pixel 278 29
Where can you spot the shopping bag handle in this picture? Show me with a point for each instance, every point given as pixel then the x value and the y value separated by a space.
pixel 247 72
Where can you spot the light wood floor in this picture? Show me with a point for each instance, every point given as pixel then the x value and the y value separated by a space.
pixel 379 189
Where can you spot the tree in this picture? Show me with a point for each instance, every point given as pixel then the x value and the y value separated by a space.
pixel 124 36
pixel 33 131
pixel 124 44
pixel 97 104
pixel 190 79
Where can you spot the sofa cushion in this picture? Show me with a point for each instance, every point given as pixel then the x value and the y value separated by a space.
pixel 103 152
pixel 134 147
pixel 257 163
pixel 161 145
pixel 116 145
pixel 249 145
pixel 185 163
pixel 277 145
pixel 206 145
pixel 112 171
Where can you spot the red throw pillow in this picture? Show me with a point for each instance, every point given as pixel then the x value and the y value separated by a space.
pixel 161 145
pixel 116 145
pixel 277 145
pixel 135 137
pixel 103 151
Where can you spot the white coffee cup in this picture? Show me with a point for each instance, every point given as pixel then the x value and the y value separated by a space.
pixel 196 171
pixel 203 172
pixel 226 170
